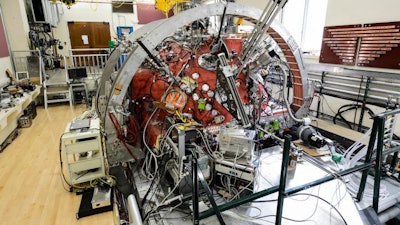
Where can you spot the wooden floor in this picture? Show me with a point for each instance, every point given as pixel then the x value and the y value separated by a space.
pixel 31 190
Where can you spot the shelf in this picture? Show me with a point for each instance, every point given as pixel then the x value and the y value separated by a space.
pixel 86 177
pixel 72 158
pixel 80 147
pixel 66 93
pixel 74 137
pixel 58 100
pixel 83 165
pixel 57 89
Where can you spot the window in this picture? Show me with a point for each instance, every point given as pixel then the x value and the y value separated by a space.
pixel 305 20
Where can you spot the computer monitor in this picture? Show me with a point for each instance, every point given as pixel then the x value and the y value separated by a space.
pixel 77 74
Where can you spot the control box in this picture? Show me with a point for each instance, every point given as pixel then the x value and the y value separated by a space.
pixel 236 142
pixel 83 151
pixel 244 172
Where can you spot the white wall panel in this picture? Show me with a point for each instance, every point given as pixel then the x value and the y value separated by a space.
pixel 343 12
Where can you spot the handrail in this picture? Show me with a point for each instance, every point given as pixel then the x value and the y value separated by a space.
pixel 71 51
pixel 94 63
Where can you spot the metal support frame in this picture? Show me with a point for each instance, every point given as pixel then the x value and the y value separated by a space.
pixel 368 157
pixel 377 134
pixel 196 176
pixel 341 82
pixel 378 129
pixel 209 195
pixel 282 183
pixel 320 92
pixel 282 189
pixel 364 102
pixel 378 163
pixel 195 191
pixel 153 34
pixel 231 81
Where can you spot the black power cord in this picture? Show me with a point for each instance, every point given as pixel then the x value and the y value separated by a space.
pixel 349 107
pixel 61 167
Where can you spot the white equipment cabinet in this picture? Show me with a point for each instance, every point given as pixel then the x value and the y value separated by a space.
pixel 83 153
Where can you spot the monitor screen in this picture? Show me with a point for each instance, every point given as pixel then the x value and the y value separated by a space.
pixel 77 73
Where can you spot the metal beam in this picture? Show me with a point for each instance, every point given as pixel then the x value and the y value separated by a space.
pixel 330 177
pixel 351 72
pixel 282 183
pixel 240 201
pixel 378 163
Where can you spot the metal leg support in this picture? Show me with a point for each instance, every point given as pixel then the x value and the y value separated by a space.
pixel 195 192
pixel 282 182
pixel 378 163
pixel 377 128
pixel 240 201
pixel 210 196
pixel 371 145
pixel 394 162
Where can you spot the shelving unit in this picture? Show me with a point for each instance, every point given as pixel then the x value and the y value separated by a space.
pixel 83 153
pixel 57 93
pixel 56 88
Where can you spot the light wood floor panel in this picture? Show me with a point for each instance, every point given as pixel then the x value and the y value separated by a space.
pixel 31 190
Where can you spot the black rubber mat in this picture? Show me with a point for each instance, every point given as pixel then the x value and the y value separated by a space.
pixel 85 208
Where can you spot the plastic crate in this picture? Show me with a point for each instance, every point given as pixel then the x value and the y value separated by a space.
pixel 30 111
pixel 24 121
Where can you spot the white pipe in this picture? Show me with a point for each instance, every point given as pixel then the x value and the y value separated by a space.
pixel 133 211
pixel 389 214
pixel 285 97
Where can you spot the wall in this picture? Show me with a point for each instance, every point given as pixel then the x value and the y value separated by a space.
pixel 256 3
pixel 5 62
pixel 360 12
pixel 125 19
pixel 14 18
pixel 91 12
pixel 103 12
pixel 16 23
pixel 342 12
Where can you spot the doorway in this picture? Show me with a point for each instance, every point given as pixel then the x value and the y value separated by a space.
pixel 84 35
